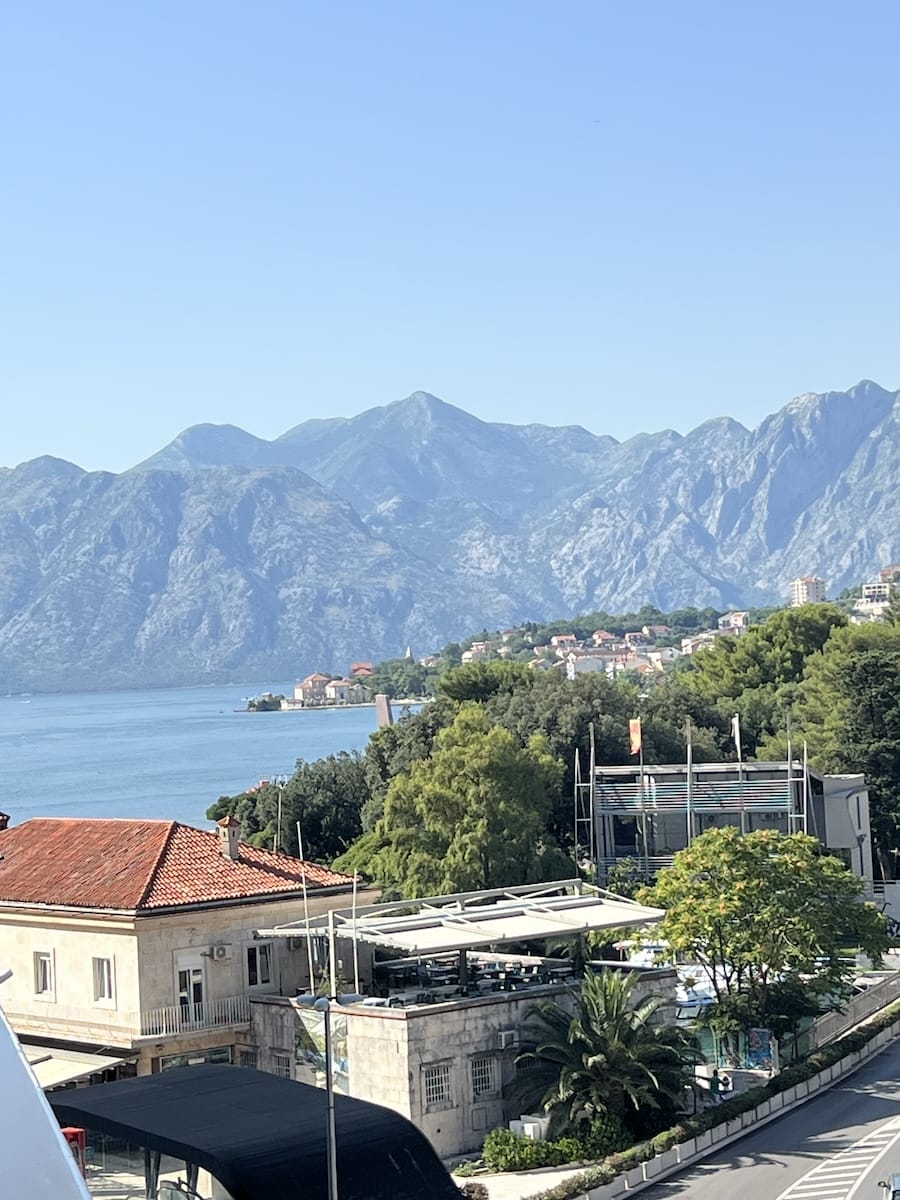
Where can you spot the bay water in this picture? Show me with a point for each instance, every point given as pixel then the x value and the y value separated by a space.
pixel 167 753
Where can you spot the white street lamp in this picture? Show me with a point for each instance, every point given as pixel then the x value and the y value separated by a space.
pixel 322 1004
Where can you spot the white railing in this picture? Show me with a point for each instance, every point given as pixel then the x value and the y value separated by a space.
pixel 833 1024
pixel 188 1018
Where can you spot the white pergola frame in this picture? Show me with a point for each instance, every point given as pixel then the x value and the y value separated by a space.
pixel 472 920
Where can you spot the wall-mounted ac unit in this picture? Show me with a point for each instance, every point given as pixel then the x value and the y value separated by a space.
pixel 507 1038
pixel 220 953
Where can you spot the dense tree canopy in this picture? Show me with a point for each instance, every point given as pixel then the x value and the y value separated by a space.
pixel 848 707
pixel 757 674
pixel 472 815
pixel 324 796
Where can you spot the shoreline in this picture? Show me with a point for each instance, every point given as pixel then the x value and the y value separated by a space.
pixel 332 707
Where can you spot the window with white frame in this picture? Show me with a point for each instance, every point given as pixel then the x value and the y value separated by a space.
pixel 483 1071
pixel 281 1064
pixel 103 980
pixel 259 964
pixel 44 984
pixel 436 1085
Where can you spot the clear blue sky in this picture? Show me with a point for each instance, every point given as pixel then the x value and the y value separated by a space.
pixel 628 216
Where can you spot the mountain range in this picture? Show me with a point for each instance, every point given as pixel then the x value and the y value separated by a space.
pixel 225 556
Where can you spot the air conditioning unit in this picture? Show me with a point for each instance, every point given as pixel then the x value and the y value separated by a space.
pixel 220 953
pixel 535 1127
pixel 507 1038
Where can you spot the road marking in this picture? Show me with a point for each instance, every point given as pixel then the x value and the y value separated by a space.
pixel 839 1176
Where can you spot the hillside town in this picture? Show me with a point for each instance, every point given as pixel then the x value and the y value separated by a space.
pixel 647 649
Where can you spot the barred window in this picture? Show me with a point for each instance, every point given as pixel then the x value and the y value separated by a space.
pixel 484 1075
pixel 248 1058
pixel 525 1066
pixel 281 1064
pixel 437 1084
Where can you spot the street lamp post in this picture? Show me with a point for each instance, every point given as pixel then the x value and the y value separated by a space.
pixel 322 1004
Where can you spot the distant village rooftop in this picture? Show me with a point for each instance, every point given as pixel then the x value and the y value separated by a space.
pixel 145 866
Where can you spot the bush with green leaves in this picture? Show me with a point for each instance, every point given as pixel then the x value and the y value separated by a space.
pixel 508 1151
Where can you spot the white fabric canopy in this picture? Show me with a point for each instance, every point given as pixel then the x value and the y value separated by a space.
pixel 440 925
pixel 54 1067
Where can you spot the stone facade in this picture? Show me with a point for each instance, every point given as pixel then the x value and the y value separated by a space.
pixel 444 1066
pixel 144 1016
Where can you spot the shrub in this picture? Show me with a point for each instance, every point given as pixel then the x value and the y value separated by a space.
pixel 469 1167
pixel 474 1191
pixel 605 1135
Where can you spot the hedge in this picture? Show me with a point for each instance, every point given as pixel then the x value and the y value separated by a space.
pixel 702 1122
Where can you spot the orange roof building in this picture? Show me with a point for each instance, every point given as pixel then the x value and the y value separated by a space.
pixel 144 866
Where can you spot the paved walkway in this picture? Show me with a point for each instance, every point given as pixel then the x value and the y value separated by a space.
pixel 523 1183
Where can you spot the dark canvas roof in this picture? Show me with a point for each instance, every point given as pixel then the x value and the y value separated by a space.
pixel 261 1136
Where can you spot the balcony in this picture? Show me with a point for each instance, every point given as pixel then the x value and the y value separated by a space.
pixel 173 1019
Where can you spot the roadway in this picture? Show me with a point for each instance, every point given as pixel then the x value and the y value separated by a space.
pixel 835 1147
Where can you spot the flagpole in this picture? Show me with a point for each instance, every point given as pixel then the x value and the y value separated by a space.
pixel 309 953
pixel 690 781
pixel 805 783
pixel 736 730
pixel 643 811
pixel 790 776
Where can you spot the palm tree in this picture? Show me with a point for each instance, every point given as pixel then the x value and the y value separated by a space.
pixel 605 1057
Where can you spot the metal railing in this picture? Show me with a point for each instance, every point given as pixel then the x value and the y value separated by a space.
pixel 833 1024
pixel 731 795
pixel 188 1018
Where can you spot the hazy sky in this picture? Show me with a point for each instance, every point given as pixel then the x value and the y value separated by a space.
pixel 623 215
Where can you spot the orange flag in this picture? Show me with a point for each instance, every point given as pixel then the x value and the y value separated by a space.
pixel 634 732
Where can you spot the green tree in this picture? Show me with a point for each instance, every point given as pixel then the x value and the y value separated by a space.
pixel 753 910
pixel 325 796
pixel 473 815
pixel 849 710
pixel 606 1056
pixel 480 680
pixel 757 673
pixel 392 750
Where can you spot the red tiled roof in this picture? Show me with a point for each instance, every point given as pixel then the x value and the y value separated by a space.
pixel 140 866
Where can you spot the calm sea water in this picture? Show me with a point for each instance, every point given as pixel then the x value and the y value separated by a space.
pixel 167 753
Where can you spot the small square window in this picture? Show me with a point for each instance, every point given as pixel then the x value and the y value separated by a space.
pixel 437 1085
pixel 43 973
pixel 259 964
pixel 248 1058
pixel 103 979
pixel 484 1075
pixel 281 1064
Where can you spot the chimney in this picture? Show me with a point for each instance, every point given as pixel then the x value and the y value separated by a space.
pixel 4 821
pixel 230 838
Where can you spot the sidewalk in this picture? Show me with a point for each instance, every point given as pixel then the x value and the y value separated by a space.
pixel 519 1185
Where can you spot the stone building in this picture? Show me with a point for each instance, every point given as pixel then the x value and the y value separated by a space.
pixel 132 943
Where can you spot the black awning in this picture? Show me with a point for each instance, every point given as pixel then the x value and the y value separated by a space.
pixel 261 1136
